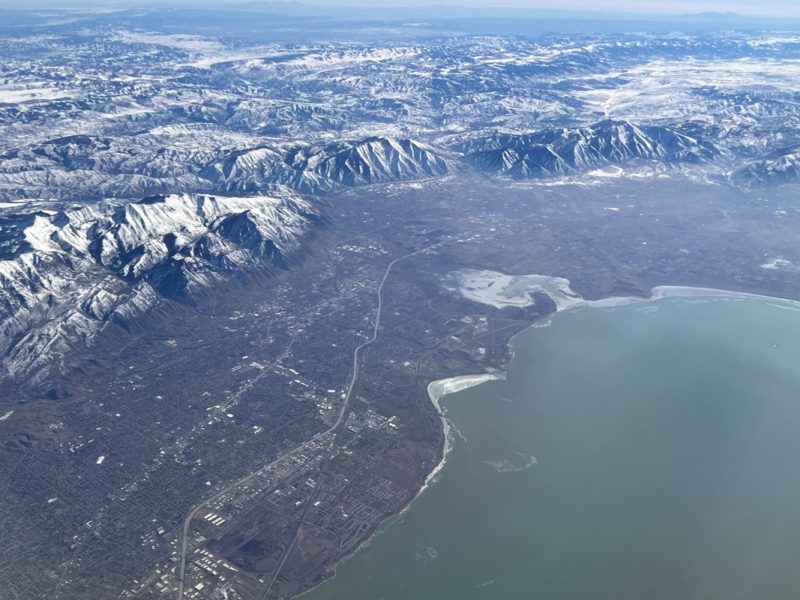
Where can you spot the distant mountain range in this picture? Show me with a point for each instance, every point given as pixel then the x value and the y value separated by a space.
pixel 150 166
pixel 556 152
pixel 779 166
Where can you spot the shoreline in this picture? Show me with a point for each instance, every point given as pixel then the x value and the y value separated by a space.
pixel 437 390
pixel 499 290
pixel 441 388
pixel 661 292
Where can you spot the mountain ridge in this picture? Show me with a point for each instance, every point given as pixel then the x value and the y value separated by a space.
pixel 81 269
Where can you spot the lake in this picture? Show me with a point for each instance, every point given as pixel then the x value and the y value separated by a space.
pixel 647 450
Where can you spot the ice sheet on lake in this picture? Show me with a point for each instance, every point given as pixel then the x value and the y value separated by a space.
pixel 777 264
pixel 501 290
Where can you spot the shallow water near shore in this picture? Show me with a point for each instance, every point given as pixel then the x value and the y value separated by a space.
pixel 646 450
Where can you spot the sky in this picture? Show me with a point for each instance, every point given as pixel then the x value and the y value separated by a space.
pixel 789 8
pixel 765 8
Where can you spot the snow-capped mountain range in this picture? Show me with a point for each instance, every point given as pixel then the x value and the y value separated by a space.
pixel 551 153
pixel 205 117
pixel 161 163
pixel 105 264
pixel 367 161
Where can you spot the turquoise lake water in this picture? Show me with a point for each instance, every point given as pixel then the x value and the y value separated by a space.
pixel 650 450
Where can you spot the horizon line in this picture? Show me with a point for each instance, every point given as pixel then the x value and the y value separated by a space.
pixel 631 10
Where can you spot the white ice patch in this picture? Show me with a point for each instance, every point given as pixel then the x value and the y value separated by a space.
pixel 442 387
pixel 424 554
pixel 778 264
pixel 500 290
pixel 521 462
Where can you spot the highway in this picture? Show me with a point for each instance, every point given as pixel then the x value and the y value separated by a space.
pixel 342 416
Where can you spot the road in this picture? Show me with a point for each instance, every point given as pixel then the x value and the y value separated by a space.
pixel 343 412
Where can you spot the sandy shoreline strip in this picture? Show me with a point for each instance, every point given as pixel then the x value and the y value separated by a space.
pixel 444 387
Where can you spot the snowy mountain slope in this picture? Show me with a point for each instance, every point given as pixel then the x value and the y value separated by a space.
pixel 555 152
pixel 253 169
pixel 780 166
pixel 79 270
pixel 373 160
pixel 199 114
pixel 126 115
pixel 321 169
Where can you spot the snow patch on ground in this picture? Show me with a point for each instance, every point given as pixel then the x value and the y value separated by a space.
pixel 611 172
pixel 668 88
pixel 192 43
pixel 39 235
pixel 36 91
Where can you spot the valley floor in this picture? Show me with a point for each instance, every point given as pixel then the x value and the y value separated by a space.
pixel 213 408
